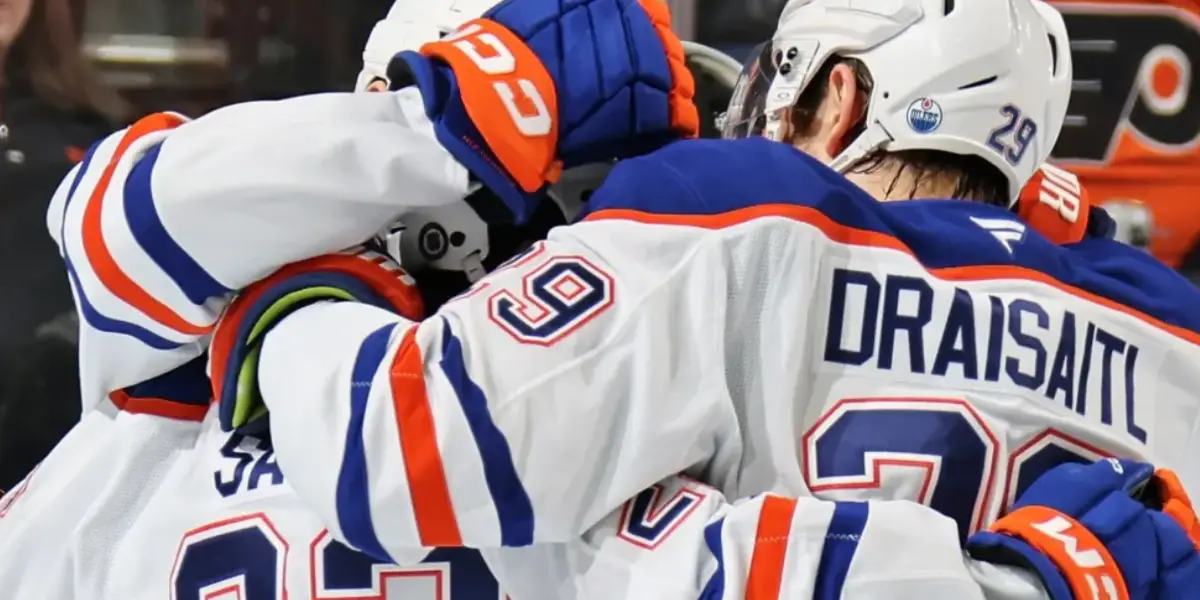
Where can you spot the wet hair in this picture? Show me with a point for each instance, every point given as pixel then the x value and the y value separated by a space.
pixel 974 178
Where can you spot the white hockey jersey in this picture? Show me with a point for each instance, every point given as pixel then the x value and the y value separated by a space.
pixel 738 312
pixel 161 221
pixel 676 305
pixel 141 507
pixel 681 539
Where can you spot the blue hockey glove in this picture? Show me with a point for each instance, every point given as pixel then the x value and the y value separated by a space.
pixel 536 86
pixel 359 275
pixel 1085 531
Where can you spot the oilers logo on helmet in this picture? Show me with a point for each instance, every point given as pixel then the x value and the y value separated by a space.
pixel 924 115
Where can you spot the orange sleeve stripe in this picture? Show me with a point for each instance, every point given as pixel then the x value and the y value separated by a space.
pixel 101 259
pixel 432 505
pixel 770 548
pixel 852 236
pixel 158 407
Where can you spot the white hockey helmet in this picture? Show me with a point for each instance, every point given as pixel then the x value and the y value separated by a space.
pixel 457 238
pixel 410 24
pixel 984 78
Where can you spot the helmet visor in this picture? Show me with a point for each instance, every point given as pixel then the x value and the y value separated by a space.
pixel 746 115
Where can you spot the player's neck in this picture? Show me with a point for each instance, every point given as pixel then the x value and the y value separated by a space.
pixel 891 181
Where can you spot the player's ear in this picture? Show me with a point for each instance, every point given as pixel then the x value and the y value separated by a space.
pixel 377 85
pixel 844 108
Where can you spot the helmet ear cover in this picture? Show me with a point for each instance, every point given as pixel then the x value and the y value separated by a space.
pixel 504 240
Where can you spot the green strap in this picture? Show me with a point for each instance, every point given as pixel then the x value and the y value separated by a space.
pixel 248 405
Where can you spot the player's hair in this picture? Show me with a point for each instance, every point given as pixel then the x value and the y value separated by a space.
pixel 975 178
pixel 39 403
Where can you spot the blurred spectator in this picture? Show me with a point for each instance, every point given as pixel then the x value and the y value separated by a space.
pixel 728 23
pixel 52 108
pixel 39 400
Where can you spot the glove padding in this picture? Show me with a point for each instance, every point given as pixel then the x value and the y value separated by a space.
pixel 1170 495
pixel 540 85
pixel 359 275
pixel 1082 530
pixel 1059 207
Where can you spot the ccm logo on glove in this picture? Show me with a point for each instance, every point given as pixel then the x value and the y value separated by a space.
pixel 490 63
pixel 1090 560
pixel 1067 543
pixel 502 62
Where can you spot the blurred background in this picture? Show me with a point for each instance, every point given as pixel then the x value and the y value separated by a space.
pixel 1131 134
pixel 73 70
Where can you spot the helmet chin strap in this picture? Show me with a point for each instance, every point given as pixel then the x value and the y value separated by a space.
pixel 874 138
pixel 472 267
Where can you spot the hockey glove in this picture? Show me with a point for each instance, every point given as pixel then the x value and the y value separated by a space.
pixel 536 86
pixel 1057 206
pixel 359 275
pixel 1083 530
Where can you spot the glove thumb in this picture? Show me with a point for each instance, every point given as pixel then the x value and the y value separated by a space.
pixel 1088 482
pixel 1135 475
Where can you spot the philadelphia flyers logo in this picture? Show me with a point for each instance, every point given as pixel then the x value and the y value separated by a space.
pixel 1134 83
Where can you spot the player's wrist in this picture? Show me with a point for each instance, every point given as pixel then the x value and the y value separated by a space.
pixel 1012 548
pixel 361 275
pixel 494 107
pixel 1094 527
pixel 491 91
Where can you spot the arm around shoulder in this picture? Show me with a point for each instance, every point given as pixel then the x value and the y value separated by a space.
pixel 163 220
pixel 251 187
pixel 681 539
pixel 570 359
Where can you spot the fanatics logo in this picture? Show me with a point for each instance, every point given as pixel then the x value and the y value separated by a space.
pixel 1006 231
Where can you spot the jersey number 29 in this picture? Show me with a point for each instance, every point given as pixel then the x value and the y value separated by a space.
pixel 857 439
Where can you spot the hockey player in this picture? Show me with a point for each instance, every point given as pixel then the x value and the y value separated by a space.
pixel 161 221
pixel 144 499
pixel 934 349
pixel 253 527
pixel 201 512
pixel 655 545
pixel 682 539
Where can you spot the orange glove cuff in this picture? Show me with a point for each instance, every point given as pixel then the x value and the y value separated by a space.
pixel 509 96
pixel 1081 558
